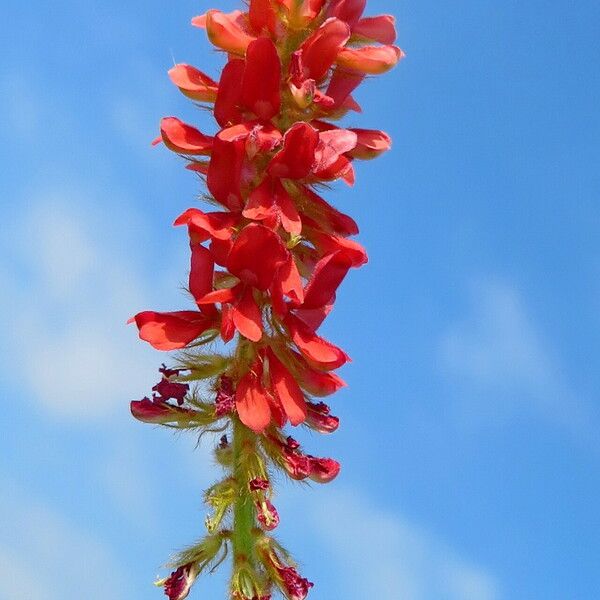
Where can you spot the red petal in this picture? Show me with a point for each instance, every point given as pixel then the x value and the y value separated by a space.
pixel 290 281
pixel 327 276
pixel 316 382
pixel 171 331
pixel 252 403
pixel 228 31
pixel 381 28
pixel 181 137
pixel 262 15
pixel 262 79
pixel 260 204
pixel 288 391
pixel 341 169
pixel 295 159
pixel 225 170
pixel 256 256
pixel 372 60
pixel 247 316
pixel 314 348
pixel 329 244
pixel 290 219
pixel 314 317
pixel 326 215
pixel 349 11
pixel 227 325
pixel 217 225
pixel 201 272
pixel 332 144
pixel 227 105
pixel 194 83
pixel 319 51
pixel 371 143
pixel 342 84
pixel 223 296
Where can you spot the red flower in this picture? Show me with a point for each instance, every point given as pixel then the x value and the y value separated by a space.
pixel 183 138
pixel 256 258
pixel 321 49
pixel 372 60
pixel 269 394
pixel 194 83
pixel 229 32
pixel 262 79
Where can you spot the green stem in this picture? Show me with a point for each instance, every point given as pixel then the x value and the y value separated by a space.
pixel 243 510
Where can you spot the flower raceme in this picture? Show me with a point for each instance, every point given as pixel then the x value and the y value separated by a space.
pixel 266 263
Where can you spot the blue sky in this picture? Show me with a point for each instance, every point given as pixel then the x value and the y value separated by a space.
pixel 470 437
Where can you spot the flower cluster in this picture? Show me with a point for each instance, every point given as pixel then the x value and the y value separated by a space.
pixel 266 264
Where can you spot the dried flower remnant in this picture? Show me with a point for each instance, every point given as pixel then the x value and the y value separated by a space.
pixel 265 266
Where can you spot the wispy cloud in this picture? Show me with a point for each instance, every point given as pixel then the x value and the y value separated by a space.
pixel 51 558
pixel 69 295
pixel 498 354
pixel 384 555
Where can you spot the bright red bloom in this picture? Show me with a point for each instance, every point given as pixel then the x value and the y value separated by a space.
pixel 372 60
pixel 269 394
pixel 181 137
pixel 230 32
pixel 172 330
pixel 262 79
pixel 321 49
pixel 194 83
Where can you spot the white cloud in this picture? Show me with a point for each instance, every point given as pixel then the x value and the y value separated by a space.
pixel 50 558
pixel 385 556
pixel 498 344
pixel 497 354
pixel 69 293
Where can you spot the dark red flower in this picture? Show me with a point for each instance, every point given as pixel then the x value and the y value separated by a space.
pixel 179 584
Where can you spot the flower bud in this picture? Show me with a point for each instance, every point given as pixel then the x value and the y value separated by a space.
pixel 320 419
pixel 180 582
pixel 226 31
pixel 295 586
pixel 159 413
pixel 323 470
pixel 225 400
pixel 372 60
pixel 370 144
pixel 193 83
pixel 267 514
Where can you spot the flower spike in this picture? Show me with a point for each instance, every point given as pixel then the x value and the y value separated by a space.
pixel 265 267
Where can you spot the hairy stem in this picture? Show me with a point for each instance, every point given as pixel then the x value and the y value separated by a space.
pixel 243 510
